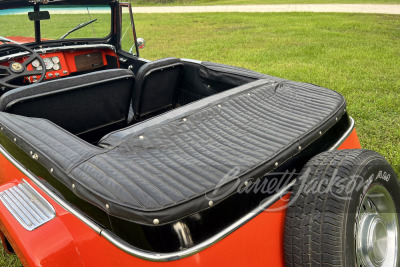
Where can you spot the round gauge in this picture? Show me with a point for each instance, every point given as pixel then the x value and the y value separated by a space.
pixel 56 66
pixel 39 68
pixel 56 60
pixel 36 63
pixel 49 63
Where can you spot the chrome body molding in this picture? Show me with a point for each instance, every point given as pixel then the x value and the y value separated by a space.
pixel 161 257
pixel 27 206
pixel 344 136
pixel 60 48
pixel 143 59
pixel 191 60
pixel 207 243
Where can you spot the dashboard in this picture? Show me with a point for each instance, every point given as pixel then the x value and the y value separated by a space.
pixel 63 63
pixel 55 64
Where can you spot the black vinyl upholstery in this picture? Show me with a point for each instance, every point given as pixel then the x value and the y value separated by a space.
pixel 166 166
pixel 78 104
pixel 156 86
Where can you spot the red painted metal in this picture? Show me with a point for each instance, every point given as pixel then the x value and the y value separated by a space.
pixel 67 62
pixel 351 142
pixel 70 56
pixel 63 66
pixel 22 39
pixel 3 241
pixel 63 241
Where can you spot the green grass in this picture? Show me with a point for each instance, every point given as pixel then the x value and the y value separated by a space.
pixel 253 2
pixel 354 54
pixel 8 260
pixel 20 25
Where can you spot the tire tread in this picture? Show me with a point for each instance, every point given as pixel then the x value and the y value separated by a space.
pixel 314 222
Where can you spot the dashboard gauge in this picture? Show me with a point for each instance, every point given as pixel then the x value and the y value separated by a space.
pixel 49 63
pixel 36 63
pixel 56 60
pixel 39 68
pixel 56 66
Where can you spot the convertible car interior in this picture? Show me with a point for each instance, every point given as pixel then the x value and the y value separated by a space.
pixel 150 144
pixel 111 159
pixel 87 94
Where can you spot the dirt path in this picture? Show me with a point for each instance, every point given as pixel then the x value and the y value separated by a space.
pixel 342 8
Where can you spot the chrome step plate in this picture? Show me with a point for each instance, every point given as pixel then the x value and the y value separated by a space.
pixel 27 206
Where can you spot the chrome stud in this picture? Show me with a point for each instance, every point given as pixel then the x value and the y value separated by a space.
pixel 156 221
pixel 320 133
pixel 107 207
pixel 219 106
pixel 184 119
pixel 210 203
pixel 276 164
pixel 299 148
pixel 51 170
pixel 141 137
pixel 246 183
pixel 35 156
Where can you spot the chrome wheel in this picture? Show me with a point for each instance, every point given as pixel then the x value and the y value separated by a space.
pixel 377 229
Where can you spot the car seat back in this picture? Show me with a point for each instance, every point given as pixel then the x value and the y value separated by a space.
pixel 156 86
pixel 79 104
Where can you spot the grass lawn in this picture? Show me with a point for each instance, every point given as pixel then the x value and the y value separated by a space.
pixel 357 55
pixel 7 260
pixel 254 2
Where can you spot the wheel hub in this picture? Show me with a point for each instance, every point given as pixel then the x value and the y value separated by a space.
pixel 373 238
pixel 377 229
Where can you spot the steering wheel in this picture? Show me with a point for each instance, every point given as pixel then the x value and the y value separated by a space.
pixel 17 70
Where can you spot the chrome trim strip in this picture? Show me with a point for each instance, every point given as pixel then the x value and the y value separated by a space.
pixel 205 244
pixel 344 136
pixel 27 206
pixel 150 256
pixel 191 60
pixel 144 60
pixel 58 48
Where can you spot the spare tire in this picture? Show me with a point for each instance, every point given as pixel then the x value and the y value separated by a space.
pixel 344 211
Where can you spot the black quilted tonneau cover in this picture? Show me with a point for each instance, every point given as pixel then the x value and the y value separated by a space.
pixel 171 161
